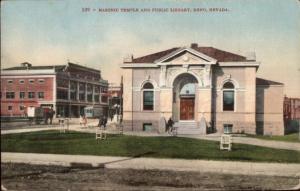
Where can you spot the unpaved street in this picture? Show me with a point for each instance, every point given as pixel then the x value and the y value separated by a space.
pixel 38 177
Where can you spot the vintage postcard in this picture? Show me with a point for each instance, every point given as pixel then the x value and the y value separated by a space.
pixel 150 95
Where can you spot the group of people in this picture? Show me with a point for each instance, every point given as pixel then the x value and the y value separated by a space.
pixel 49 114
pixel 102 121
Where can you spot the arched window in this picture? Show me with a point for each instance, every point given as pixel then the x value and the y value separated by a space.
pixel 228 97
pixel 148 96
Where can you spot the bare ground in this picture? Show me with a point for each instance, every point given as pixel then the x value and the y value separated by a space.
pixel 41 177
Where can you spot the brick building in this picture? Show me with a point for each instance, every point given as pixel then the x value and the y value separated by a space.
pixel 67 88
pixel 291 113
pixel 291 108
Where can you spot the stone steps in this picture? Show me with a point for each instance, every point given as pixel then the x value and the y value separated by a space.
pixel 187 128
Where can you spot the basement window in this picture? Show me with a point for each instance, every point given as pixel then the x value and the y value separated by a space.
pixel 147 126
pixel 227 128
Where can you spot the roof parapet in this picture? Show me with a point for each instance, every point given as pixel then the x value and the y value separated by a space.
pixel 194 45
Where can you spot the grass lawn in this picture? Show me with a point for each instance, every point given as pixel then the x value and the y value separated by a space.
pixel 133 146
pixel 294 137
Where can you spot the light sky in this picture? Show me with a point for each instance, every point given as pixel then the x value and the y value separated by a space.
pixel 53 32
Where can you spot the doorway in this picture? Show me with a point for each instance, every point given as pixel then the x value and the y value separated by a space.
pixel 187 106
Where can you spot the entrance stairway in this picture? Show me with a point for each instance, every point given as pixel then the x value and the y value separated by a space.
pixel 187 128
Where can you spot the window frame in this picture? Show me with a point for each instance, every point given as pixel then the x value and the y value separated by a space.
pixel 8 108
pixel 233 90
pixel 227 128
pixel 41 93
pixel 10 97
pixel 29 93
pixel 41 81
pixel 145 90
pixel 22 106
pixel 20 95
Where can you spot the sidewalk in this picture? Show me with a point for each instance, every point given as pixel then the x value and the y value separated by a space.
pixel 72 126
pixel 227 167
pixel 253 141
pixel 92 125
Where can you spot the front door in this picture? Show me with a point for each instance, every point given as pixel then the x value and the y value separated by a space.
pixel 187 108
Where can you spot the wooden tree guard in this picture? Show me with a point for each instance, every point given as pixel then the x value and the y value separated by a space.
pixel 226 142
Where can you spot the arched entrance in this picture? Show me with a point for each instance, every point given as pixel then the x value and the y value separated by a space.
pixel 184 94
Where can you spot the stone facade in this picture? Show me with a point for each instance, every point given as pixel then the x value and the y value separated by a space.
pixel 190 83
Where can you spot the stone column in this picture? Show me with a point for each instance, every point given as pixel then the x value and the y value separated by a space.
pixel 204 103
pixel 85 92
pixel 127 102
pixel 207 76
pixel 77 92
pixel 165 104
pixel 93 93
pixel 162 80
pixel 70 111
pixel 69 97
pixel 249 100
pixel 69 89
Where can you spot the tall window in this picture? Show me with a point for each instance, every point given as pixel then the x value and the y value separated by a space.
pixel 10 95
pixel 228 97
pixel 41 95
pixel 22 107
pixel 62 94
pixel 96 98
pixel 73 90
pixel 22 95
pixel 31 95
pixel 148 95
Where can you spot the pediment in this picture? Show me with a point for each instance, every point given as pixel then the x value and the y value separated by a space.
pixel 186 56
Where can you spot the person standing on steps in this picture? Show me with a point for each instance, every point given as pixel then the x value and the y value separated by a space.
pixel 170 124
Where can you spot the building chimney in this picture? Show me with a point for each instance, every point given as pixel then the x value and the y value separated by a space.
pixel 194 45
pixel 128 58
pixel 26 64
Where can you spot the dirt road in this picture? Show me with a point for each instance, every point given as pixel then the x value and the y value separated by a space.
pixel 38 177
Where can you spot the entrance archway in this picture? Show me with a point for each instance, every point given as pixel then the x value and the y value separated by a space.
pixel 184 94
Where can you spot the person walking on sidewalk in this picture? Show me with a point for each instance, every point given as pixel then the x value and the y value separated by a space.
pixel 84 121
pixel 104 121
pixel 81 120
pixel 100 121
pixel 46 116
pixel 51 115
